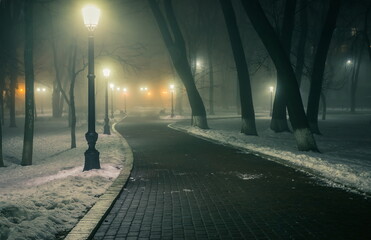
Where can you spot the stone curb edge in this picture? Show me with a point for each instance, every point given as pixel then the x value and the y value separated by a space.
pixel 302 169
pixel 88 225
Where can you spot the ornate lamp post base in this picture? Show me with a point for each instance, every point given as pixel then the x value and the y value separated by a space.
pixel 92 154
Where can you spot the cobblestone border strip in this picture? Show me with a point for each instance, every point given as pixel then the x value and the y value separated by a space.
pixel 89 224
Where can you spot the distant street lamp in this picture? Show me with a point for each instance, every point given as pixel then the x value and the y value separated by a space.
pixel 106 129
pixel 91 17
pixel 125 91
pixel 349 62
pixel 112 86
pixel 172 100
pixel 271 103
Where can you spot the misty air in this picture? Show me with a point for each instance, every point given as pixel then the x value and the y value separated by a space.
pixel 185 119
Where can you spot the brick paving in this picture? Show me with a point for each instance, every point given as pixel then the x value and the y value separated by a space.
pixel 182 187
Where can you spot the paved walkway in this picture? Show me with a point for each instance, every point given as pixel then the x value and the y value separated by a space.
pixel 183 187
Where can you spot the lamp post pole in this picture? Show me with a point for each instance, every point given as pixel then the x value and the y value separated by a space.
pixel 112 86
pixel 91 17
pixel 271 102
pixel 125 90
pixel 106 128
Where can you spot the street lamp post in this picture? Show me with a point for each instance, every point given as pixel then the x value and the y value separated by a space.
pixel 271 103
pixel 106 129
pixel 91 17
pixel 42 91
pixel 112 86
pixel 125 91
pixel 172 100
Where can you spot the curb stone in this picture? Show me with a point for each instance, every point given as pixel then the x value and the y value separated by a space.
pixel 88 225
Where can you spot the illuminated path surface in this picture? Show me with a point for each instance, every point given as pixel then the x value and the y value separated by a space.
pixel 183 187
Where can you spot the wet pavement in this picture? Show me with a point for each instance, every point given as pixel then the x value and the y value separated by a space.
pixel 183 187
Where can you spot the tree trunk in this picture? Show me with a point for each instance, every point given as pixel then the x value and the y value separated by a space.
pixel 324 105
pixel 29 79
pixel 279 119
pixel 211 78
pixel 2 83
pixel 247 108
pixel 238 98
pixel 365 31
pixel 319 65
pixel 177 50
pixel 300 51
pixel 304 138
pixel 1 145
pixel 57 101
pixel 56 98
pixel 72 106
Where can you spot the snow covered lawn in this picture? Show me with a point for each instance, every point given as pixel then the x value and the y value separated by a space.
pixel 345 146
pixel 46 200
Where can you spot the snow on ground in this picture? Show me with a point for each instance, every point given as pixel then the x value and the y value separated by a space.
pixel 46 200
pixel 345 146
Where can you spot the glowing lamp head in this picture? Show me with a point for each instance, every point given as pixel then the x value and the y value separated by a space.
pixel 91 16
pixel 38 89
pixel 106 72
pixel 125 90
pixel 111 86
pixel 44 89
pixel 349 62
pixel 271 89
pixel 118 89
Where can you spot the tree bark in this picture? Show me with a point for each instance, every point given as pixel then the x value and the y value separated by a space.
pixel 175 44
pixel 211 78
pixel 72 106
pixel 2 83
pixel 57 101
pixel 319 65
pixel 29 79
pixel 365 31
pixel 279 119
pixel 304 138
pixel 300 51
pixel 1 145
pixel 247 108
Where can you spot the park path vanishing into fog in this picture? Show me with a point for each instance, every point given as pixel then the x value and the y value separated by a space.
pixel 188 188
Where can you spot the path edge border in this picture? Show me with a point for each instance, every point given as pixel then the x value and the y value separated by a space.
pixel 89 224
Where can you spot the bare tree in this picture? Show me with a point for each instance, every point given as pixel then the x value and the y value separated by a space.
pixel 319 65
pixel 247 108
pixel 304 138
pixel 29 78
pixel 279 120
pixel 176 46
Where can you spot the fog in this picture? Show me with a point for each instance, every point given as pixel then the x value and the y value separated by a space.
pixel 128 41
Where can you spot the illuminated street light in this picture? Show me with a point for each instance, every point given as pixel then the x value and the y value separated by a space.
pixel 106 128
pixel 91 18
pixel 271 103
pixel 349 62
pixel 172 100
